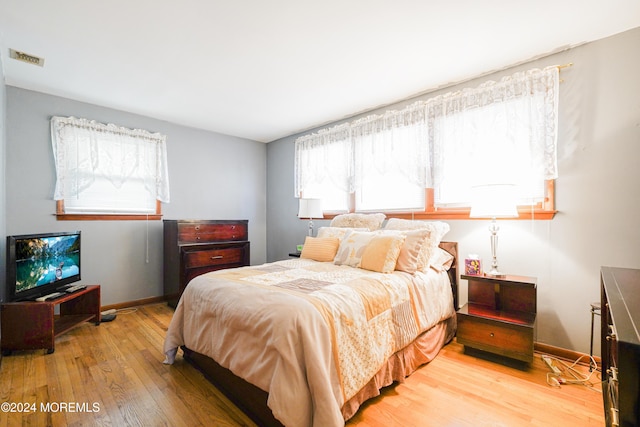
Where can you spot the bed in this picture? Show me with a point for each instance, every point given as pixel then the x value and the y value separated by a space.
pixel 305 341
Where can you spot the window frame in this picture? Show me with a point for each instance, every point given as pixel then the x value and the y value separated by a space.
pixel 61 215
pixel 544 210
pixel 542 206
pixel 88 131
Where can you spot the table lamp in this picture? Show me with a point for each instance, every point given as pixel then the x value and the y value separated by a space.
pixel 310 208
pixel 494 201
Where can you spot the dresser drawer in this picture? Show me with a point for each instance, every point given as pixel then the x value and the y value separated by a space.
pixel 511 340
pixel 215 256
pixel 202 233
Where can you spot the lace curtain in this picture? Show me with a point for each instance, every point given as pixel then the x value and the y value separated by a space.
pixel 346 154
pixel 499 132
pixel 324 159
pixel 392 143
pixel 89 154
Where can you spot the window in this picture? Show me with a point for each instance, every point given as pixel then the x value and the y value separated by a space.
pixel 324 167
pixel 425 159
pixel 108 172
pixel 391 160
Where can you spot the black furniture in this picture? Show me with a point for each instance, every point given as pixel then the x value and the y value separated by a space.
pixel 620 317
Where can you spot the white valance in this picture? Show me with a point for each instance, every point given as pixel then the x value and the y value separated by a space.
pixel 324 156
pixel 86 151
pixel 505 130
pixel 395 142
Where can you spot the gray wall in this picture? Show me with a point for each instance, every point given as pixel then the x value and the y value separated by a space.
pixel 212 176
pixel 596 193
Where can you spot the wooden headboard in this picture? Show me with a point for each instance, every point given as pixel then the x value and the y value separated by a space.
pixel 452 248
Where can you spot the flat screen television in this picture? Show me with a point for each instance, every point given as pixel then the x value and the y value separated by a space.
pixel 40 264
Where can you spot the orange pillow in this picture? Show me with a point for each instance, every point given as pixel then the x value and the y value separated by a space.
pixel 382 253
pixel 320 248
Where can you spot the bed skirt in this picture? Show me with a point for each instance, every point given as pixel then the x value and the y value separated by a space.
pixel 403 363
pixel 253 401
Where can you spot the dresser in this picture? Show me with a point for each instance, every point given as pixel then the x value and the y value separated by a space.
pixel 195 247
pixel 620 341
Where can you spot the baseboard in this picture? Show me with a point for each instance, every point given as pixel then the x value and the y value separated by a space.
pixel 135 303
pixel 563 353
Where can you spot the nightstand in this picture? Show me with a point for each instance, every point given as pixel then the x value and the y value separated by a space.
pixel 500 316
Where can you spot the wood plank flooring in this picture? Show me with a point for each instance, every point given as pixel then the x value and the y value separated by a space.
pixel 112 375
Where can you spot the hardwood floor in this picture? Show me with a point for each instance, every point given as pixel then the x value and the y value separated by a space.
pixel 113 374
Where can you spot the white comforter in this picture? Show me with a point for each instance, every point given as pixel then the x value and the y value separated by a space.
pixel 310 334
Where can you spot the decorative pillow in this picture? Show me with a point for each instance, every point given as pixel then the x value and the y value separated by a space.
pixel 382 253
pixel 322 249
pixel 437 228
pixel 355 220
pixel 441 260
pixel 352 247
pixel 415 247
pixel 338 232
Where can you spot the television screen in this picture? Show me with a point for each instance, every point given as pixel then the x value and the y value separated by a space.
pixel 39 264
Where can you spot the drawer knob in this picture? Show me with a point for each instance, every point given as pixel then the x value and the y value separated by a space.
pixel 198 238
pixel 491 334
pixel 197 227
pixel 217 257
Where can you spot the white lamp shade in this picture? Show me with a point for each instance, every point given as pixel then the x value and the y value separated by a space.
pixel 494 201
pixel 310 208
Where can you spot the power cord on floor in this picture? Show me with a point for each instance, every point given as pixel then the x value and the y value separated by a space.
pixel 110 315
pixel 120 311
pixel 565 373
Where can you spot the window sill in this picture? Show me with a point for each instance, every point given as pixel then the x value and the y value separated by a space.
pixel 542 211
pixel 101 217
pixel 461 214
pixel 62 216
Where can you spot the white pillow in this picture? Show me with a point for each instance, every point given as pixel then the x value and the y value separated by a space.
pixel 358 220
pixel 437 231
pixel 337 232
pixel 414 249
pixel 441 260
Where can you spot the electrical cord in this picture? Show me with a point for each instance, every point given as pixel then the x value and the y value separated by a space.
pixel 126 310
pixel 557 379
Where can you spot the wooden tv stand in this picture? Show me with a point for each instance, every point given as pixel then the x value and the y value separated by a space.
pixel 31 325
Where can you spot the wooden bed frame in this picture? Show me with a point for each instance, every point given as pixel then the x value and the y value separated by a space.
pixel 253 400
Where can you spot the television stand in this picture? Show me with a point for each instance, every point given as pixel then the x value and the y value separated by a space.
pixel 31 325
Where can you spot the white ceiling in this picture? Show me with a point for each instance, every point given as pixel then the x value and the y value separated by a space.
pixel 263 69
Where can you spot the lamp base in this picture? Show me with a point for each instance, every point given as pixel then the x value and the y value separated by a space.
pixel 495 273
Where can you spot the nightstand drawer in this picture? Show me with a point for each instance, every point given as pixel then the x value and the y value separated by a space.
pixel 506 339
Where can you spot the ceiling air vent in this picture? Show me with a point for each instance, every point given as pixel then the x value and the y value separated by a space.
pixel 25 57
